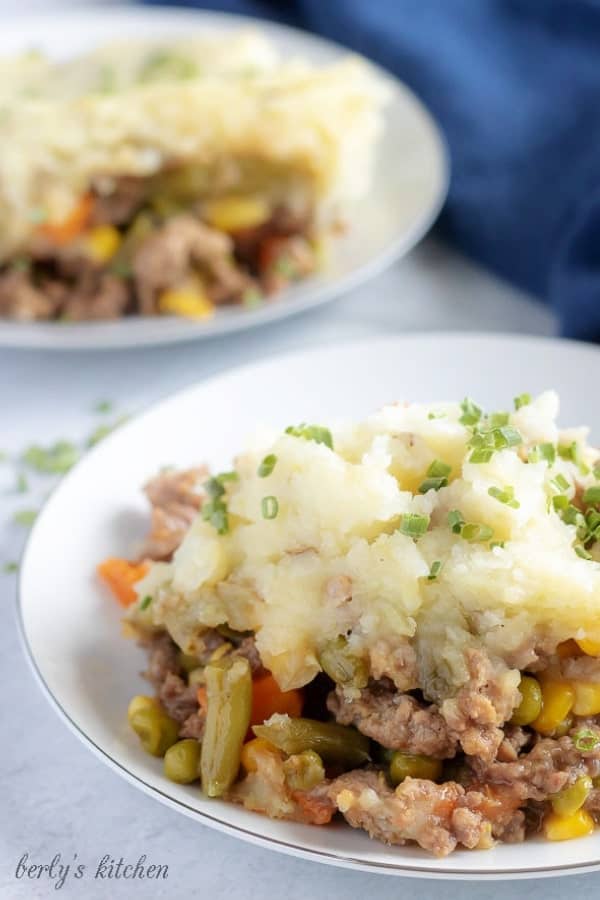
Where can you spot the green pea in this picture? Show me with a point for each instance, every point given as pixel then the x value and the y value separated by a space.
pixel 414 765
pixel 531 701
pixel 156 731
pixel 304 771
pixel 342 665
pixel 182 761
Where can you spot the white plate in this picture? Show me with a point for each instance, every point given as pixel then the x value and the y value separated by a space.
pixel 71 627
pixel 409 187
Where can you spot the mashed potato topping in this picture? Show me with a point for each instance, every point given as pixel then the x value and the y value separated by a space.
pixel 433 527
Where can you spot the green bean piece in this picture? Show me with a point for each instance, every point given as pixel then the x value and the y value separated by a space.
pixel 342 665
pixel 304 771
pixel 182 761
pixel 334 743
pixel 414 765
pixel 531 701
pixel 155 729
pixel 188 662
pixel 229 704
pixel 572 798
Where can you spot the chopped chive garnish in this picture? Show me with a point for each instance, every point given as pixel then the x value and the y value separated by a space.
pixel 572 453
pixel 215 512
pixel 437 478
pixel 573 516
pixel 267 465
pixel 545 452
pixel 497 544
pixel 102 431
pixel 476 533
pixel 227 476
pixel 481 455
pixel 471 413
pixel 146 602
pixel 25 517
pixel 582 552
pixel 316 433
pixel 586 740
pixel 103 406
pixel 507 436
pixel 522 400
pixel 434 415
pixel 455 520
pixel 22 484
pixel 506 496
pixel 9 567
pixel 413 525
pixel 269 507
pixel 436 568
pixel 498 419
pixel 592 495
pixel 560 483
pixel 560 502
pixel 214 488
pixel 597 470
pixel 54 460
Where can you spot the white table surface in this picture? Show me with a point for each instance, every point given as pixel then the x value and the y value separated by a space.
pixel 58 798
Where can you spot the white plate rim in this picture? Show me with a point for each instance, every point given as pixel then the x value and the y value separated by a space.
pixel 254 837
pixel 113 335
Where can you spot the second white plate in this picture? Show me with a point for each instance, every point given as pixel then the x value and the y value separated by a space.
pixel 409 187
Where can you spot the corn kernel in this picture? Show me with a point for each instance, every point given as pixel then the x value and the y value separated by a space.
pixel 587 698
pixel 189 301
pixel 557 701
pixel 252 751
pixel 102 242
pixel 235 213
pixel 564 828
pixel 591 648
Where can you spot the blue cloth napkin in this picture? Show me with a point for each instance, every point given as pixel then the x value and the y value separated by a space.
pixel 515 86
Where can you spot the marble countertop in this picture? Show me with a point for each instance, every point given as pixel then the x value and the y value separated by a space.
pixel 57 798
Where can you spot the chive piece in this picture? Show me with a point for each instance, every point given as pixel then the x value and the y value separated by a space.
pixel 582 552
pixel 214 488
pixel 592 495
pixel 498 419
pixel 455 521
pixel 573 516
pixel 597 471
pixel 413 525
pixel 269 507
pixel 471 413
pixel 267 466
pixel 560 502
pixel 316 433
pixel 215 512
pixel 560 483
pixel 545 452
pixel 227 476
pixel 54 460
pixel 586 740
pixel 481 455
pixel 103 406
pixel 432 484
pixel 497 544
pixel 475 533
pixel 146 602
pixel 439 469
pixel 506 496
pixel 433 415
pixel 22 484
pixel 572 453
pixel 522 400
pixel 436 568
pixel 507 436
pixel 25 517
pixel 9 567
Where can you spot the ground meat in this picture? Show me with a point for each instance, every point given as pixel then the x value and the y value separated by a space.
pixel 176 498
pixel 193 727
pixel 116 200
pixel 547 768
pixel 284 259
pixel 395 720
pixel 169 256
pixel 436 816
pixel 163 658
pixel 482 705
pixel 178 698
pixel 399 663
pixel 515 739
pixel 248 649
pixel 98 295
pixel 20 299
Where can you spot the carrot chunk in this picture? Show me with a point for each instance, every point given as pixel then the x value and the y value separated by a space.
pixel 268 698
pixel 121 575
pixel 73 225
